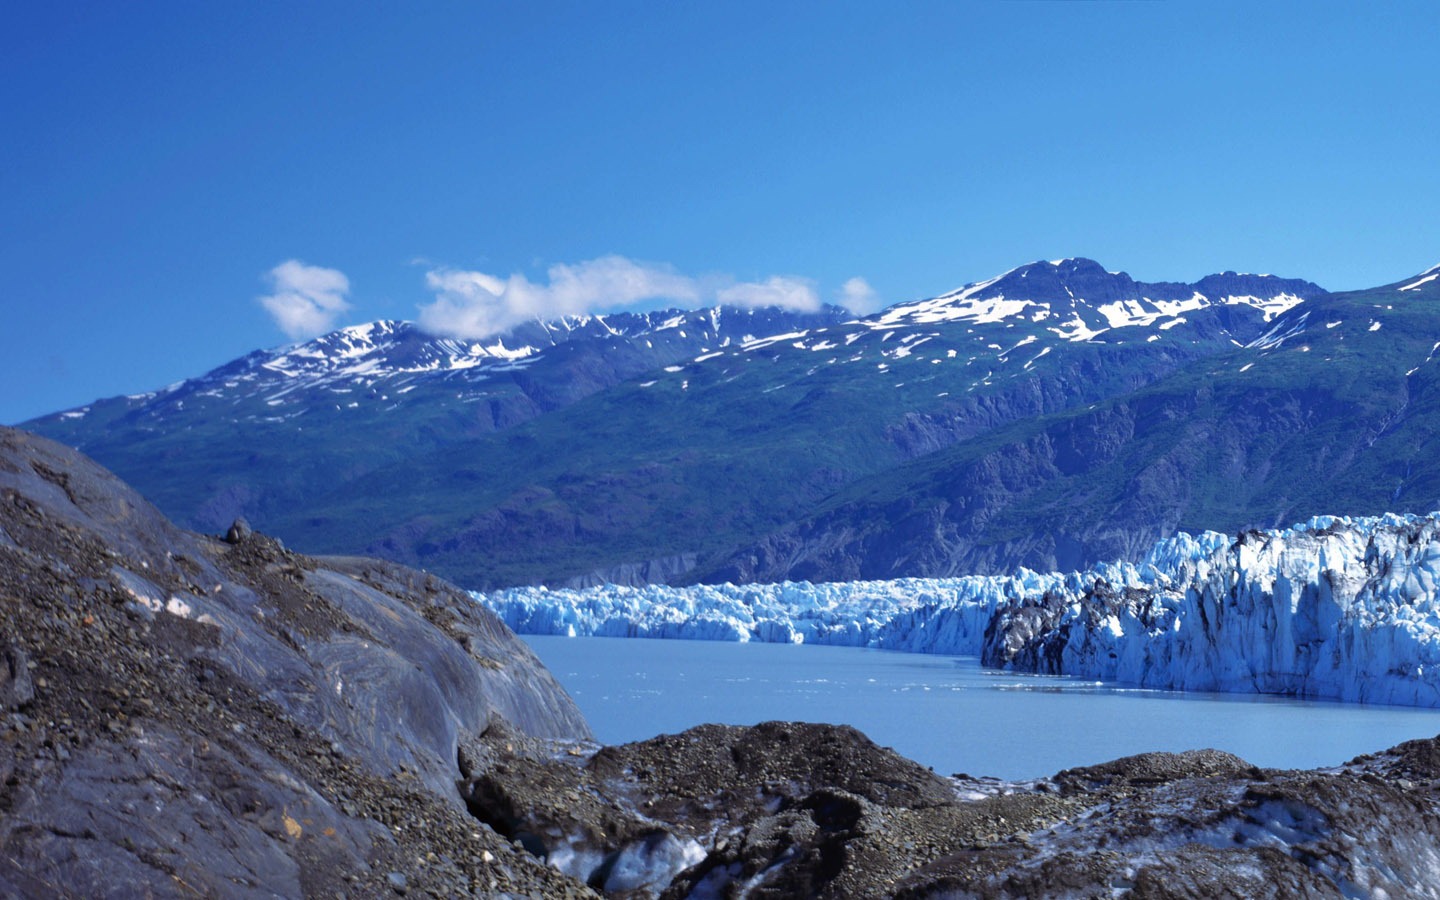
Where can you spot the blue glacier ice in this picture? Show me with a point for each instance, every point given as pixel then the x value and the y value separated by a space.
pixel 1337 607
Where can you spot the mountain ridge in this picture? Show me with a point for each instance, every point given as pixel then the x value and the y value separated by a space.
pixel 693 460
pixel 397 352
pixel 1083 299
pixel 390 347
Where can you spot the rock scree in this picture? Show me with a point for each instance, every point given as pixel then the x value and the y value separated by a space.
pixel 185 716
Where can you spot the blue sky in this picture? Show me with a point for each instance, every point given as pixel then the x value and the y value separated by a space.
pixel 161 160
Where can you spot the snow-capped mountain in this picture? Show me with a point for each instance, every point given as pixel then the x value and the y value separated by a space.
pixel 1052 416
pixel 555 362
pixel 1005 326
pixel 1338 608
pixel 403 353
pixel 533 368
pixel 1077 299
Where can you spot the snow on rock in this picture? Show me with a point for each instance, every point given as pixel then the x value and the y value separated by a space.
pixel 1088 300
pixel 1427 276
pixel 1281 332
pixel 1340 608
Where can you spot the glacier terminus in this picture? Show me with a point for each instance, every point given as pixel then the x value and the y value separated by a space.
pixel 1335 608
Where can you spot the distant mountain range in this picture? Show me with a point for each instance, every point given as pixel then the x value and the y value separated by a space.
pixel 1056 415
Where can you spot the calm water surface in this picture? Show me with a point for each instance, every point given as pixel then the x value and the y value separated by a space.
pixel 947 712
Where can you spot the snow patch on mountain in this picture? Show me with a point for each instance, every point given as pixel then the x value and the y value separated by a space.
pixel 1087 300
pixel 1270 307
pixel 981 311
pixel 1283 330
pixel 1338 608
pixel 398 348
pixel 1144 311
pixel 1426 278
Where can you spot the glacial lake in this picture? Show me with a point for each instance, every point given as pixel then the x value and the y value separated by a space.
pixel 948 712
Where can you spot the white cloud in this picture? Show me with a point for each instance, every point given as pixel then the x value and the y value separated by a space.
pixel 777 290
pixel 475 305
pixel 307 299
pixel 859 297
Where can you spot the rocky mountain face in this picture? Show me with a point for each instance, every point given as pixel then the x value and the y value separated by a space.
pixel 715 443
pixel 186 715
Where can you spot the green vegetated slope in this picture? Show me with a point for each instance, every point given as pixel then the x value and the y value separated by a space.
pixel 224 462
pixel 1337 413
pixel 711 457
pixel 268 434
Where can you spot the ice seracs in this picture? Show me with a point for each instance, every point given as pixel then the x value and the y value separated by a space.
pixel 1337 608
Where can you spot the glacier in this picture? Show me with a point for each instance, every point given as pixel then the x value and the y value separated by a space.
pixel 1335 608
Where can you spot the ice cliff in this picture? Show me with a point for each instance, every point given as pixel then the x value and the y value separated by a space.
pixel 1337 607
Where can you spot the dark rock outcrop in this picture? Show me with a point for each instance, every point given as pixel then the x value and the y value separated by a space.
pixel 796 810
pixel 183 716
